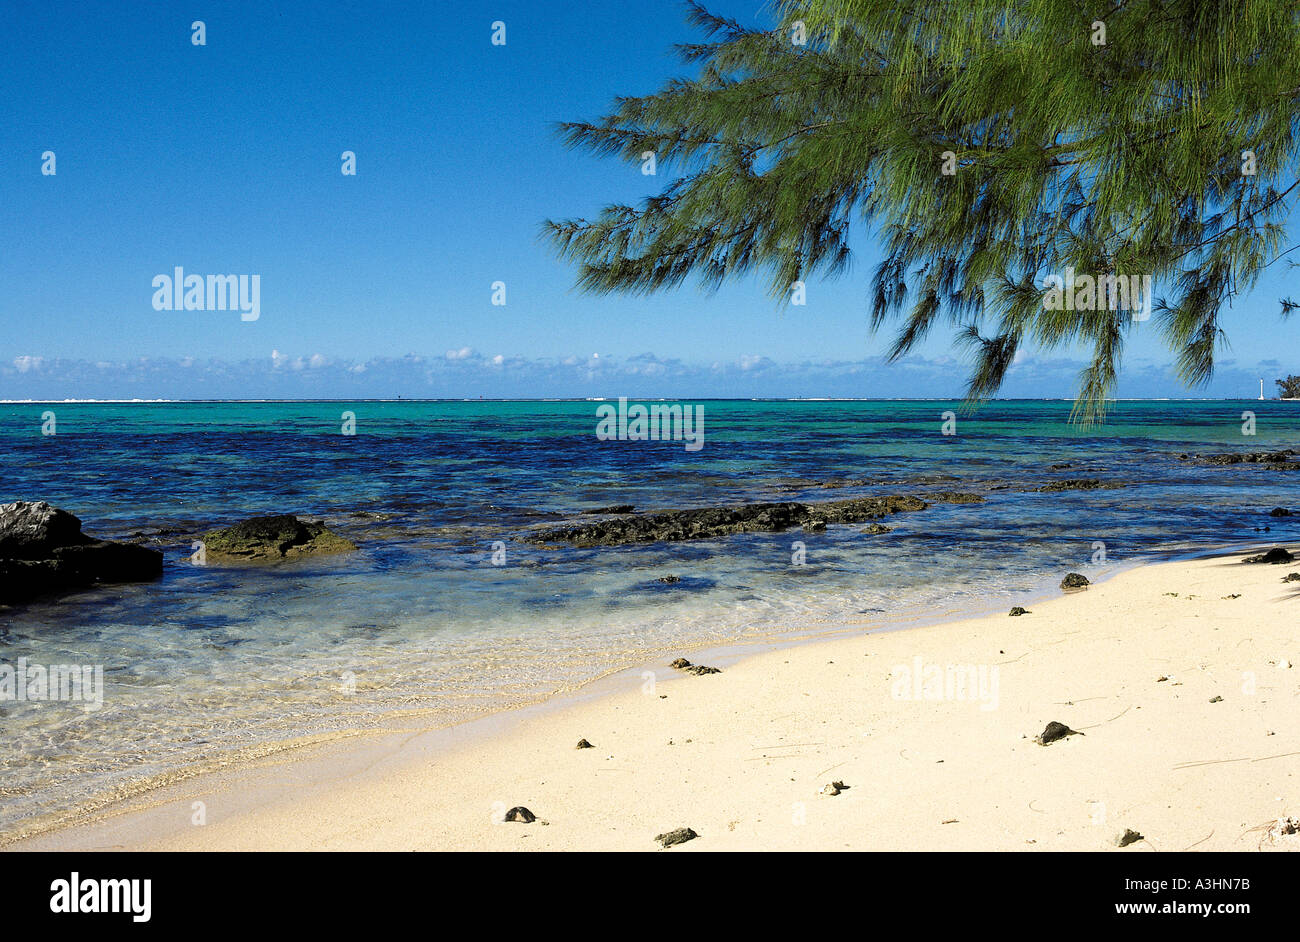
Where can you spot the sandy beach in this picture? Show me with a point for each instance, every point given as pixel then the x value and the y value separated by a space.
pixel 1177 675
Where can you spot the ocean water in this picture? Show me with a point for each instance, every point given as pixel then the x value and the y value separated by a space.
pixel 421 627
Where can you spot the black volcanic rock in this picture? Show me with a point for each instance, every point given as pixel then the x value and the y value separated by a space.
pixel 1075 580
pixel 42 551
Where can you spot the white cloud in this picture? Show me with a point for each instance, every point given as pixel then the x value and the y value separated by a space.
pixel 25 363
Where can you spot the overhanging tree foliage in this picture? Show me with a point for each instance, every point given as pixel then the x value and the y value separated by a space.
pixel 1132 138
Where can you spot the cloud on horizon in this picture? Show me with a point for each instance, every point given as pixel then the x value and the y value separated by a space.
pixel 467 373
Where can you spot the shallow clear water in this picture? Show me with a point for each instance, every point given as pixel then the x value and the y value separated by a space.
pixel 212 660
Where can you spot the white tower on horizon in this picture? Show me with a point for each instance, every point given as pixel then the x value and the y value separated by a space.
pixel 1261 387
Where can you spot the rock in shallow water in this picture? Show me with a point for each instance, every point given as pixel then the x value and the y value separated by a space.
pixel 708 522
pixel 1080 484
pixel 42 550
pixel 268 539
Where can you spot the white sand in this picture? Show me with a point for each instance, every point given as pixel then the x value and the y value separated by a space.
pixel 740 756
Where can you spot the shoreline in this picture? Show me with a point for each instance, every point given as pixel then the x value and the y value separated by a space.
pixel 441 789
pixel 443 722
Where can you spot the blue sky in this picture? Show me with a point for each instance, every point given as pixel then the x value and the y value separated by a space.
pixel 225 158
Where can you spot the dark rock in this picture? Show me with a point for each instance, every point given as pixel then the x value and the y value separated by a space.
pixel 263 539
pixel 678 836
pixel 1129 836
pixel 1080 484
pixel 877 528
pixel 583 744
pixel 1017 610
pixel 33 530
pixel 616 509
pixel 42 550
pixel 1216 699
pixel 708 522
pixel 1275 460
pixel 1291 577
pixel 1055 731
pixel 521 814
pixel 955 497
pixel 862 509
pixel 814 526
pixel 1279 512
pixel 699 670
pixel 669 580
pixel 1276 555
pixel 1074 580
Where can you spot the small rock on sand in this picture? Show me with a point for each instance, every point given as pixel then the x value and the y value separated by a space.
pixel 1291 577
pixel 697 669
pixel 1276 555
pixel 521 814
pixel 1074 580
pixel 1055 731
pixel 1019 611
pixel 677 836
pixel 583 744
pixel 1129 836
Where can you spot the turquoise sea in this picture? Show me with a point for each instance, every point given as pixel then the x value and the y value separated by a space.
pixel 420 626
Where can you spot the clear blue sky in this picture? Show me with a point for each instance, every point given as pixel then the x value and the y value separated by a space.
pixel 225 158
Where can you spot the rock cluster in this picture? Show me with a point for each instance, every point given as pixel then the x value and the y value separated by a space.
pixel 706 522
